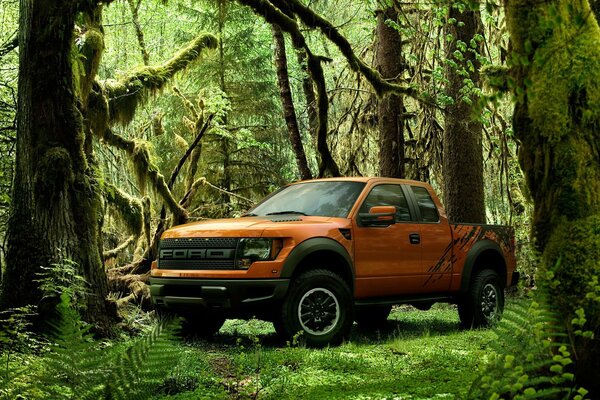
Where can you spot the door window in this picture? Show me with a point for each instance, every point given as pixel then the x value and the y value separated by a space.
pixel 388 195
pixel 427 207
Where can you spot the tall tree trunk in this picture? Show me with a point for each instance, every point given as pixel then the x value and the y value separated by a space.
pixel 225 145
pixel 463 153
pixel 56 209
pixel 287 103
pixel 309 93
pixel 557 121
pixel 390 108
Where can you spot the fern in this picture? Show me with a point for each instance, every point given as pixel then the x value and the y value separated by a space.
pixel 78 367
pixel 531 358
pixel 143 367
pixel 73 366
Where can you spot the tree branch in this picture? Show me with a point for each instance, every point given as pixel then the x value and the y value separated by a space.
pixel 9 46
pixel 140 156
pixel 126 94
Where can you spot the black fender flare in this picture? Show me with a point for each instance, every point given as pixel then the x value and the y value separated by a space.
pixel 476 250
pixel 310 246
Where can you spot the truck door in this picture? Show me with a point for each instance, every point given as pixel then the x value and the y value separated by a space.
pixel 436 241
pixel 387 259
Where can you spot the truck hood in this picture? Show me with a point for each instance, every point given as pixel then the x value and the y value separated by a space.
pixel 275 225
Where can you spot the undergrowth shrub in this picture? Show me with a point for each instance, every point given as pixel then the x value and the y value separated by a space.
pixel 75 365
pixel 531 358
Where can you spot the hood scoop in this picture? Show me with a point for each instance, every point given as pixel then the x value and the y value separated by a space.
pixel 287 219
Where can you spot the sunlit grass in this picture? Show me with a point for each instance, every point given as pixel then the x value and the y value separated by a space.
pixel 417 355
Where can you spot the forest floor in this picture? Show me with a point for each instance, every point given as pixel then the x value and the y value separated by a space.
pixel 417 355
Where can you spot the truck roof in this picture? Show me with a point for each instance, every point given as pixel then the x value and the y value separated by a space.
pixel 364 179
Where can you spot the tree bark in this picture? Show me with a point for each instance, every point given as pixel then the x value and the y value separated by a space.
pixel 557 122
pixel 309 94
pixel 390 108
pixel 56 210
pixel 287 103
pixel 463 153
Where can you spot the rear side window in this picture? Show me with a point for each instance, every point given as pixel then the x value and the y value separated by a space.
pixel 427 207
pixel 388 195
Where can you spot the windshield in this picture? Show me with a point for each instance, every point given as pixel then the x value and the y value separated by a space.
pixel 325 198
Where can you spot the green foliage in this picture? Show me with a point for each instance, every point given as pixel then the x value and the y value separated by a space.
pixel 77 367
pixel 63 279
pixel 531 357
pixel 146 365
pixel 126 94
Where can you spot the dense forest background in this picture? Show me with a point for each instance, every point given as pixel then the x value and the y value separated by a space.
pixel 121 118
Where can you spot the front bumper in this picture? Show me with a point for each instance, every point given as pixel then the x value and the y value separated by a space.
pixel 218 294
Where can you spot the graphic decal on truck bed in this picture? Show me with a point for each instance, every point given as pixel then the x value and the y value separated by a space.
pixel 465 237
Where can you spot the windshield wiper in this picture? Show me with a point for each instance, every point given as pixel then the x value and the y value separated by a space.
pixel 286 212
pixel 250 215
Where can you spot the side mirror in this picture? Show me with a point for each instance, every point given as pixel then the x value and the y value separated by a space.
pixel 378 216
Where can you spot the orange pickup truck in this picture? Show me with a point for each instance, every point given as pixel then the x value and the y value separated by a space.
pixel 317 255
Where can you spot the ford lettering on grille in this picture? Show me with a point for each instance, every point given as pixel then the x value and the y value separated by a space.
pixel 197 253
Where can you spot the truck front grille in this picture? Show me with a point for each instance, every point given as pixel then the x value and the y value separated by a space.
pixel 197 253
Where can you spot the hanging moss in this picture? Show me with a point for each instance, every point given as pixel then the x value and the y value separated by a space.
pixel 128 207
pixel 139 153
pixel 141 160
pixel 97 112
pixel 188 104
pixel 180 142
pixel 92 47
pixel 126 94
pixel 147 213
pixel 114 253
pixel 157 126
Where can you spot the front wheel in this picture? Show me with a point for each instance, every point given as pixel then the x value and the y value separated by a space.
pixel 484 303
pixel 319 305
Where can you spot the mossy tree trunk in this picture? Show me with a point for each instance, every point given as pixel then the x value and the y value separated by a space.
pixel 390 109
pixel 463 153
pixel 555 67
pixel 287 102
pixel 56 210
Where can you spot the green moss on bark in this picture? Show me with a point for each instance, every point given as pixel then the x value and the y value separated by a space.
pixel 127 93
pixel 130 208
pixel 555 71
pixel 556 66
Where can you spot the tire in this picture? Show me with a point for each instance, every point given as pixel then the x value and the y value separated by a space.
pixel 369 317
pixel 328 309
pixel 203 324
pixel 484 303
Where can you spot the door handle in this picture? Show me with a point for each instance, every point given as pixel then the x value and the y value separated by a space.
pixel 415 238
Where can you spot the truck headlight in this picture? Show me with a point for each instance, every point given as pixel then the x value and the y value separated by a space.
pixel 257 249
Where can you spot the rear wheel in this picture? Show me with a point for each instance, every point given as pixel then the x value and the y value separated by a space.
pixel 372 316
pixel 319 305
pixel 484 302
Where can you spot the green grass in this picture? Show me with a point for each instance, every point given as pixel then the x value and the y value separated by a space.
pixel 418 355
